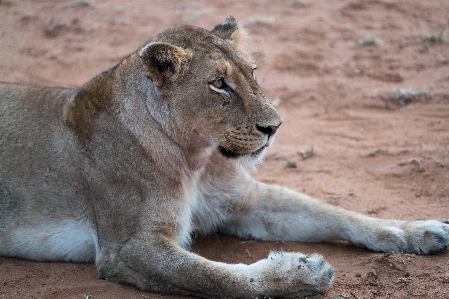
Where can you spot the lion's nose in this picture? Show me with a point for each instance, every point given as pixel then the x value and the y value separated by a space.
pixel 269 130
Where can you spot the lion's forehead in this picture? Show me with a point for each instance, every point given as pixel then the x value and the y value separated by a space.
pixel 205 44
pixel 233 57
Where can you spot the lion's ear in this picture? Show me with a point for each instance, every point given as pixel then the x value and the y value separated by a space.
pixel 226 29
pixel 232 31
pixel 164 62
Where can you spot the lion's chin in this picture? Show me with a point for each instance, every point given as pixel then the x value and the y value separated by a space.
pixel 248 161
pixel 251 161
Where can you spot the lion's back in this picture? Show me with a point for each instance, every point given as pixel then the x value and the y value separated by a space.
pixel 31 100
pixel 31 123
pixel 35 147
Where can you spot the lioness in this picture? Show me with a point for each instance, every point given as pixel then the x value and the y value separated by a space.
pixel 121 170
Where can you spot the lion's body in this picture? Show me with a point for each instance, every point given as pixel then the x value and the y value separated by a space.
pixel 123 169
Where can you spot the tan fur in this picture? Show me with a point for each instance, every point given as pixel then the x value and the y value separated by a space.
pixel 123 169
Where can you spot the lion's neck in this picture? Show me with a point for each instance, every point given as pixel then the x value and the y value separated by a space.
pixel 149 118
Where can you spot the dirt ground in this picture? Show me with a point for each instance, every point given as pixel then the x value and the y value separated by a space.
pixel 365 84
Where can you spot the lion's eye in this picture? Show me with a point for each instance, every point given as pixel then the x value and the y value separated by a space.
pixel 218 83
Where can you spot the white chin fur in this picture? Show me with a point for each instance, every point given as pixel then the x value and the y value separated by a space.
pixel 251 162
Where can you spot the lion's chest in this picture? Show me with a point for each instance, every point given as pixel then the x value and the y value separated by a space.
pixel 206 207
pixel 190 199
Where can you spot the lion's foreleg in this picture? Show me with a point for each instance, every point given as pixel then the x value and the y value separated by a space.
pixel 274 213
pixel 158 264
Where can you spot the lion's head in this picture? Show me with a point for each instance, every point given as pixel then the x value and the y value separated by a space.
pixel 211 88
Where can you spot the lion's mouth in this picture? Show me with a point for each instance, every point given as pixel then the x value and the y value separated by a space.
pixel 232 155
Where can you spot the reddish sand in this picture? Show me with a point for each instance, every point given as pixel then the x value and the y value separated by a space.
pixel 374 152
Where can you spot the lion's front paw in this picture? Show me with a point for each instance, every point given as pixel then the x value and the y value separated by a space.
pixel 424 237
pixel 418 237
pixel 315 271
pixel 294 274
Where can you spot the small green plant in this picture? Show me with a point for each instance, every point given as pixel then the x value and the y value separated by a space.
pixel 261 21
pixel 434 37
pixel 410 94
pixel 339 297
pixel 403 97
pixel 299 2
pixel 81 3
pixel 369 40
pixel 444 60
pixel 307 153
pixel 290 164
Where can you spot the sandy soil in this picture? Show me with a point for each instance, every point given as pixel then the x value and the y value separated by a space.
pixel 375 110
